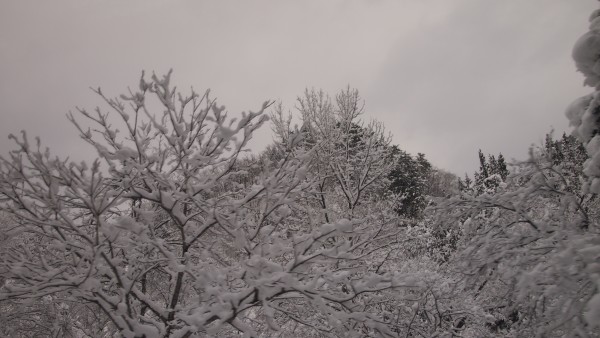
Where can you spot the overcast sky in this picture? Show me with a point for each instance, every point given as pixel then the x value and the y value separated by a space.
pixel 446 77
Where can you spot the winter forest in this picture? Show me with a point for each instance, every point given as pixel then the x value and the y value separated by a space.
pixel 178 229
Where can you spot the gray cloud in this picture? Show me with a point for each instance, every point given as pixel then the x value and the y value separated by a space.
pixel 446 77
pixel 493 75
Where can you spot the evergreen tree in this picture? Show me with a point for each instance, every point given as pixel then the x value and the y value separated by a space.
pixel 483 166
pixel 465 185
pixel 492 173
pixel 410 179
pixel 501 168
pixel 569 155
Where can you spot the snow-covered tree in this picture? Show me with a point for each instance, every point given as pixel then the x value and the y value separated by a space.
pixel 351 159
pixel 491 175
pixel 584 113
pixel 346 153
pixel 410 178
pixel 570 155
pixel 170 233
pixel 349 149
pixel 530 251
pixel 442 183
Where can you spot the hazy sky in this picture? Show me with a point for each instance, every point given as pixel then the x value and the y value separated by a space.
pixel 446 77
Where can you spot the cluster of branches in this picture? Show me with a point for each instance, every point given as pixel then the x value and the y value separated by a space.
pixel 356 158
pixel 163 235
pixel 529 250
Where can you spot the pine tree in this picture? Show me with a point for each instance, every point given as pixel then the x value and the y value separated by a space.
pixel 410 179
pixel 492 173
pixel 569 155
pixel 501 168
